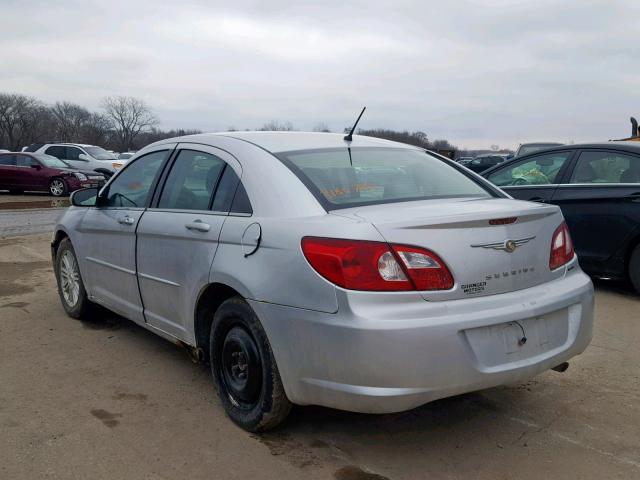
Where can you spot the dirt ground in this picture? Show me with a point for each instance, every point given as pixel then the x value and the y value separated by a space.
pixel 105 399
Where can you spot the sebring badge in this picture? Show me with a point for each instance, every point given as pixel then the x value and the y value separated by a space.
pixel 508 246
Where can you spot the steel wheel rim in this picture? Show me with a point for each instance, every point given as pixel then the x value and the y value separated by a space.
pixel 241 368
pixel 57 187
pixel 69 279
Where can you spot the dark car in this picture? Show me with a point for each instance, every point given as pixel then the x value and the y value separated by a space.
pixel 484 162
pixel 35 171
pixel 597 186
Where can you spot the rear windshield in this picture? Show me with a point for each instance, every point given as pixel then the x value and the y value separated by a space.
pixel 343 178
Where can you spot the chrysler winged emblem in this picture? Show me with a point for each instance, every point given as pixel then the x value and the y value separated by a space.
pixel 508 246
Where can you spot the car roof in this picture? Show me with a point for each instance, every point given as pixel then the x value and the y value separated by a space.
pixel 276 142
pixel 632 147
pixel 614 145
pixel 68 143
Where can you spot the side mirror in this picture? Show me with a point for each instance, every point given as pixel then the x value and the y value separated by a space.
pixel 37 166
pixel 85 197
pixel 84 157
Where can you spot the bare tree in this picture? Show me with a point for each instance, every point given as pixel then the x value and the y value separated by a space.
pixel 129 117
pixel 69 121
pixel 23 120
pixel 321 127
pixel 275 126
pixel 96 129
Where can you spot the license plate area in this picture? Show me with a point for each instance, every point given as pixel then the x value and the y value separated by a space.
pixel 515 341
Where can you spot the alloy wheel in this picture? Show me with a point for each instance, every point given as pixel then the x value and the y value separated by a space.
pixel 69 279
pixel 56 187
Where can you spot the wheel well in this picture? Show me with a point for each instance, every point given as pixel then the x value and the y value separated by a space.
pixel 60 235
pixel 210 299
pixel 632 246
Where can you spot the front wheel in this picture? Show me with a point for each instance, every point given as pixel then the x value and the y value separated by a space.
pixel 57 187
pixel 244 369
pixel 70 285
pixel 634 268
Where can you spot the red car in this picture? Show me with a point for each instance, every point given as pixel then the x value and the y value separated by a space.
pixel 38 171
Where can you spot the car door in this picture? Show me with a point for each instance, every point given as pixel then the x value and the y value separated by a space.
pixel 178 235
pixel 30 173
pixel 601 204
pixel 533 177
pixel 8 171
pixel 72 157
pixel 107 234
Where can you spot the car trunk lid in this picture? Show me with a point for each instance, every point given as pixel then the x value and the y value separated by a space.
pixel 490 246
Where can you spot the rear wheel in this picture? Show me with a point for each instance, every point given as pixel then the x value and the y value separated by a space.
pixel 70 285
pixel 244 369
pixel 634 268
pixel 57 187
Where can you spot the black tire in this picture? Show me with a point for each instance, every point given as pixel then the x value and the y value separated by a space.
pixel 634 268
pixel 256 402
pixel 83 305
pixel 58 187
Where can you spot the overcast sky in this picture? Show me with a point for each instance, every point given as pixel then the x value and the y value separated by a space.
pixel 476 73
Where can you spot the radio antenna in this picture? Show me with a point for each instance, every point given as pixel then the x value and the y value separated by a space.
pixel 349 137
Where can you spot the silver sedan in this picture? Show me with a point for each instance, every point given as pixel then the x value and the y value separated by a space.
pixel 307 268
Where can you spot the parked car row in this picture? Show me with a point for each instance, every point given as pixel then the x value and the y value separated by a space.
pixel 59 168
pixel 85 157
pixel 22 171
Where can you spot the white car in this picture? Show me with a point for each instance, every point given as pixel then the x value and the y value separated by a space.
pixel 82 156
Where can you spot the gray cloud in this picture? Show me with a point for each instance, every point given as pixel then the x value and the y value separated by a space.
pixel 476 73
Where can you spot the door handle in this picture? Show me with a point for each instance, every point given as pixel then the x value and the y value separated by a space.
pixel 538 199
pixel 126 220
pixel 198 225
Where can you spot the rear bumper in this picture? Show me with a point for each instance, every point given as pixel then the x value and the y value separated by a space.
pixel 380 356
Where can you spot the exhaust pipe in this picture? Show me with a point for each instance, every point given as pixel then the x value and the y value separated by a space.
pixel 561 368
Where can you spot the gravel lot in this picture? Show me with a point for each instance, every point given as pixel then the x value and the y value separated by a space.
pixel 107 399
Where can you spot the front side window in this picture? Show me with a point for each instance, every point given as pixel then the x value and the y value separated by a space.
pixel 26 161
pixel 192 181
pixel 539 170
pixel 606 167
pixel 73 153
pixel 340 178
pixel 51 161
pixel 8 160
pixel 132 187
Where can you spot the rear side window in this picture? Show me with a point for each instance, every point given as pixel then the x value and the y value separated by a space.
pixel 192 181
pixel 56 151
pixel 369 176
pixel 225 191
pixel 538 170
pixel 606 167
pixel 8 160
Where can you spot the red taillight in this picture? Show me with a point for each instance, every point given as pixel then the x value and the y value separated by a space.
pixel 561 247
pixel 376 266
